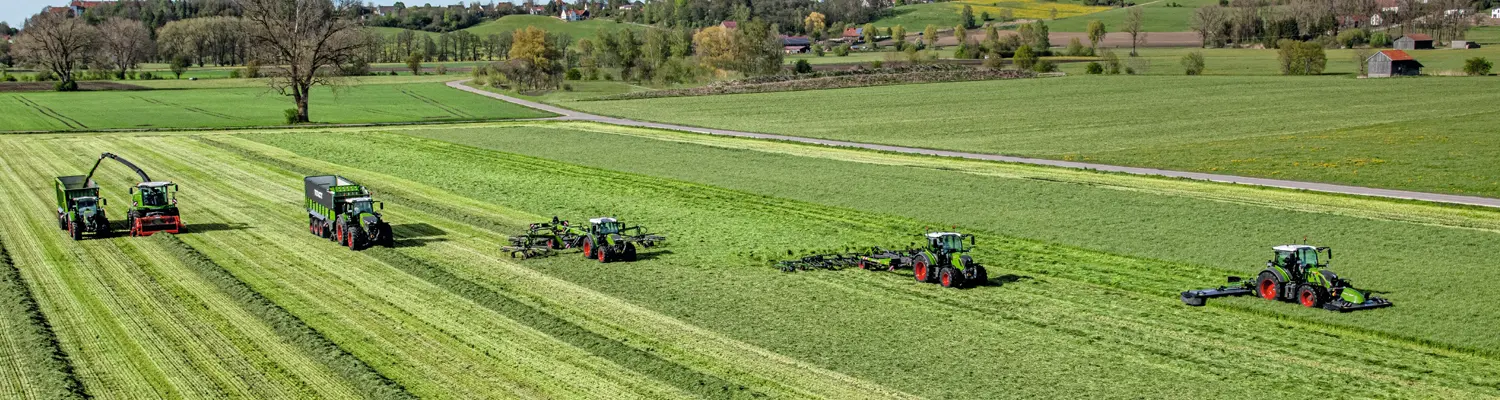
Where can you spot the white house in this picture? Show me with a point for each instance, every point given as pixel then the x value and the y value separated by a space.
pixel 1376 20
pixel 1495 13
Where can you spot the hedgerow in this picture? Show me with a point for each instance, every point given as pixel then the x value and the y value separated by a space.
pixel 833 80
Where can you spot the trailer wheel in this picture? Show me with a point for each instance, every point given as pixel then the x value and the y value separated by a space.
pixel 948 277
pixel 1269 286
pixel 1311 296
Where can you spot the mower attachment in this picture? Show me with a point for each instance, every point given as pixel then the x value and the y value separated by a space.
pixel 819 261
pixel 146 226
pixel 1341 305
pixel 1235 287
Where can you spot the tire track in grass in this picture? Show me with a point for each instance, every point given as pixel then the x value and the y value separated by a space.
pixel 439 105
pixel 370 382
pixel 519 362
pixel 608 317
pixel 192 109
pixel 68 122
pixel 36 366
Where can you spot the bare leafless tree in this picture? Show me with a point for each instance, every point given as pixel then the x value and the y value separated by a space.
pixel 58 44
pixel 124 44
pixel 1209 21
pixel 1134 21
pixel 305 42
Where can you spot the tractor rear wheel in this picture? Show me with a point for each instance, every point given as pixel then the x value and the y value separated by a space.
pixel 588 247
pixel 949 277
pixel 1268 286
pixel 1311 296
pixel 919 270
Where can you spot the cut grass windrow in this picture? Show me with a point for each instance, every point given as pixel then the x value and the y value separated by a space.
pixel 369 381
pixel 32 364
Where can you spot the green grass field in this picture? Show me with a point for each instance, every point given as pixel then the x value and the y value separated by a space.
pixel 1157 17
pixel 246 106
pixel 1168 61
pixel 946 15
pixel 1075 302
pixel 1330 129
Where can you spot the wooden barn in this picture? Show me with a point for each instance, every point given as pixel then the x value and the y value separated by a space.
pixel 1388 63
pixel 1415 41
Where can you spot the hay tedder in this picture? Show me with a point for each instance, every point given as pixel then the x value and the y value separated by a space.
pixel 943 260
pixel 1296 273
pixel 604 239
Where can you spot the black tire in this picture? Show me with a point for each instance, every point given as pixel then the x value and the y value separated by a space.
pixel 981 276
pixel 588 247
pixel 354 237
pixel 1268 286
pixel 77 231
pixel 605 256
pixel 62 222
pixel 629 252
pixel 949 277
pixel 1311 296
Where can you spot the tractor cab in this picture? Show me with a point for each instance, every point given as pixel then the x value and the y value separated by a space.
pixel 154 194
pixel 604 226
pixel 88 206
pixel 1299 259
pixel 362 205
pixel 948 242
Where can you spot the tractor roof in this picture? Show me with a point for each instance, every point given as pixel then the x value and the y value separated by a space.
pixel 153 184
pixel 1293 247
pixel 941 234
pixel 601 220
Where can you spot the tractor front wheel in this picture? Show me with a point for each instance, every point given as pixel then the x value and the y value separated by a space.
pixel 949 277
pixel 76 230
pixel 1269 286
pixel 980 275
pixel 603 254
pixel 1311 296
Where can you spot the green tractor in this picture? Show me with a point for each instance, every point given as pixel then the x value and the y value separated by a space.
pixel 1296 273
pixel 153 205
pixel 604 239
pixel 944 259
pixel 342 210
pixel 79 207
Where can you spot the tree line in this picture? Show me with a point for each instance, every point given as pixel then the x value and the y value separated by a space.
pixel 1265 22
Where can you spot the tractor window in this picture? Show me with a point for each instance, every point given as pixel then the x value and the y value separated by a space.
pixel 154 197
pixel 950 242
pixel 1282 257
pixel 362 207
pixel 1308 256
pixel 87 202
pixel 608 228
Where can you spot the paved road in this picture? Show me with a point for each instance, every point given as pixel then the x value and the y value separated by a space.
pixel 571 115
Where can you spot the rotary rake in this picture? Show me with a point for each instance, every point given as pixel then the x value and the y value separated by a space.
pixel 944 260
pixel 603 239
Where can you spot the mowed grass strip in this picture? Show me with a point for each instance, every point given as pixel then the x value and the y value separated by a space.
pixel 134 321
pixel 450 245
pixel 1214 229
pixel 32 366
pixel 242 107
pixel 434 342
pixel 1088 323
pixel 1329 129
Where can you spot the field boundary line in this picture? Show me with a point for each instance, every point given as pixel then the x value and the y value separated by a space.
pixel 574 115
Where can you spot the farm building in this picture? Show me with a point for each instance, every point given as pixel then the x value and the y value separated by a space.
pixel 1464 44
pixel 796 44
pixel 573 15
pixel 1414 41
pixel 1388 63
pixel 730 25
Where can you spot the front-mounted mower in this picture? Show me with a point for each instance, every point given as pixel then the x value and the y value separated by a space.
pixel 604 239
pixel 943 260
pixel 1295 273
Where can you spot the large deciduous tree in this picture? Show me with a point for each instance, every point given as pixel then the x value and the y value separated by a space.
pixel 58 44
pixel 306 40
pixel 124 44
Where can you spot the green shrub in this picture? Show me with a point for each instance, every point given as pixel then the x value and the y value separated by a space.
pixel 1075 48
pixel 842 50
pixel 1094 68
pixel 1111 62
pixel 1025 58
pixel 252 68
pixel 876 64
pixel 234 74
pixel 1477 66
pixel 1044 66
pixel 1352 37
pixel 802 67
pixel 567 87
pixel 1380 39
pixel 573 74
pixel 442 69
pixel 66 86
pixel 291 116
pixel 1301 58
pixel 1193 63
